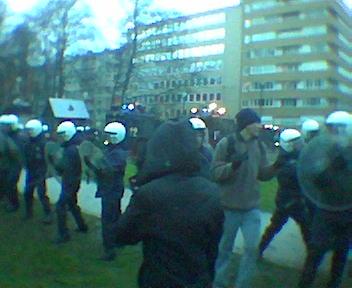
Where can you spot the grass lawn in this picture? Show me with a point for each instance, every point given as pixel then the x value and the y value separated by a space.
pixel 30 259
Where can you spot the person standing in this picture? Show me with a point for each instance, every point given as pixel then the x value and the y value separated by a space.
pixel 176 214
pixel 110 180
pixel 239 163
pixel 70 169
pixel 290 201
pixel 34 152
pixel 325 174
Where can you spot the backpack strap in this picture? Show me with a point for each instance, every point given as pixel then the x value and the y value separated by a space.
pixel 231 148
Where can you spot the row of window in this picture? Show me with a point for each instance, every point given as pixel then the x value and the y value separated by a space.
pixel 179 98
pixel 199 66
pixel 288 50
pixel 290 67
pixel 200 51
pixel 276 19
pixel 202 36
pixel 298 85
pixel 177 26
pixel 286 102
pixel 266 4
pixel 186 83
pixel 287 34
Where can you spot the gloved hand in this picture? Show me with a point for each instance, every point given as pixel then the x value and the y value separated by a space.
pixel 238 159
pixel 280 161
pixel 86 160
pixel 51 158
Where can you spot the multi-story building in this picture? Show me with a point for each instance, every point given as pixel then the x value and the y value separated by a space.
pixel 90 78
pixel 296 58
pixel 189 62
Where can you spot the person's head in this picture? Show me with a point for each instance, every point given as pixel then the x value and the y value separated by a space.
pixel 199 126
pixel 248 123
pixel 10 122
pixel 291 140
pixel 66 130
pixel 310 128
pixel 339 123
pixel 116 132
pixel 34 128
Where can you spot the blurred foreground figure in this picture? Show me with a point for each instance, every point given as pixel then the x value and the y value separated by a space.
pixel 176 214
pixel 70 169
pixel 325 175
pixel 109 172
pixel 289 201
pixel 12 159
pixel 36 170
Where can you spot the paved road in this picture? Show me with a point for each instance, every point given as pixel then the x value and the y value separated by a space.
pixel 287 248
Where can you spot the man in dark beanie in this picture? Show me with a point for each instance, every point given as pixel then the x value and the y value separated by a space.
pixel 239 163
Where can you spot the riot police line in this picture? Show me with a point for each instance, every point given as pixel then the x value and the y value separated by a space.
pixel 313 169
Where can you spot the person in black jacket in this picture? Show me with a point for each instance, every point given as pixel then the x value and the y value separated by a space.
pixel 110 173
pixel 69 167
pixel 176 215
pixel 12 174
pixel 36 170
pixel 290 201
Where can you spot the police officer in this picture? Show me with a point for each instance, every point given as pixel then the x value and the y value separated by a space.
pixel 110 174
pixel 310 129
pixel 205 150
pixel 15 158
pixel 36 170
pixel 325 174
pixel 70 169
pixel 290 201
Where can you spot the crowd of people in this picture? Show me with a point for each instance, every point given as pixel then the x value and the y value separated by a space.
pixel 190 200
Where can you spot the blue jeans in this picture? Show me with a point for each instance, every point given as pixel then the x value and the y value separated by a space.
pixel 249 223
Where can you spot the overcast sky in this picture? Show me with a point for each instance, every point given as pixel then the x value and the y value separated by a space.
pixel 108 12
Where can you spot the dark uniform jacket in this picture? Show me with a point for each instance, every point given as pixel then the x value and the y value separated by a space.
pixel 176 215
pixel 35 156
pixel 289 192
pixel 110 174
pixel 69 166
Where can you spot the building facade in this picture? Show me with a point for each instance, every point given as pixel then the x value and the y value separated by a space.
pixel 90 78
pixel 296 58
pixel 189 62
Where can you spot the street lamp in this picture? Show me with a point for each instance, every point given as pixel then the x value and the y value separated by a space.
pixel 212 106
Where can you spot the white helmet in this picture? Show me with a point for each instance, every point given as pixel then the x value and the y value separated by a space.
pixel 67 129
pixel 338 118
pixel 288 138
pixel 4 119
pixel 197 123
pixel 34 127
pixel 116 131
pixel 310 128
pixel 342 120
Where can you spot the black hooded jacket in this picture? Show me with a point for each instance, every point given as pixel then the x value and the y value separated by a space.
pixel 176 215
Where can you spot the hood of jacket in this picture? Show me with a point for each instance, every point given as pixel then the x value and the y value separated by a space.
pixel 172 149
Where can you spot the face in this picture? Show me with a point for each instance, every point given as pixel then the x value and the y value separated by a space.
pixel 200 138
pixel 253 130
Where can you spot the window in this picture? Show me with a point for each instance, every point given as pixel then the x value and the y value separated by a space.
pixel 288 102
pixel 191 97
pixel 205 97
pixel 212 81
pixel 218 96
pixel 211 96
pixel 198 97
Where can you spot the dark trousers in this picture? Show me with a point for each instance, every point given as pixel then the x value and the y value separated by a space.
pixel 110 213
pixel 36 181
pixel 330 231
pixel 68 200
pixel 279 219
pixel 10 187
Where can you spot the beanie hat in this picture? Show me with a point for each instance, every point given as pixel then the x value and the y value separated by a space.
pixel 246 117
